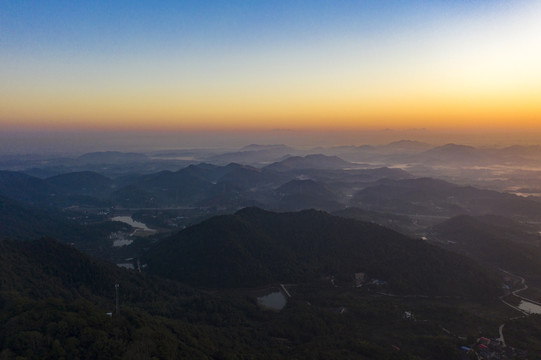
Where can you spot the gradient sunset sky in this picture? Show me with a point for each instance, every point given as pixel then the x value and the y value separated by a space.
pixel 181 65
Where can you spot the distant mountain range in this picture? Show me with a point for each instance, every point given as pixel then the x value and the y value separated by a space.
pixel 427 196
pixel 313 181
pixel 315 161
pixel 452 154
pixel 111 157
pixel 230 186
pixel 116 163
pixel 253 154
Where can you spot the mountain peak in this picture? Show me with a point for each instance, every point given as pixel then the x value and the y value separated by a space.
pixel 255 247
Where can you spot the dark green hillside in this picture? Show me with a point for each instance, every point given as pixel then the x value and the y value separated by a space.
pixel 46 268
pixel 305 194
pixel 313 161
pixel 229 186
pixel 247 176
pixel 26 188
pixel 227 195
pixel 504 227
pixel 173 188
pixel 206 171
pixel 80 188
pixel 54 300
pixel 255 247
pixel 453 153
pixel 20 221
pixel 400 223
pixel 253 154
pixel 133 196
pixel 491 243
pixel 437 197
pixel 83 183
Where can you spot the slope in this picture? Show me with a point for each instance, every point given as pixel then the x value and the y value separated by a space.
pixel 494 244
pixel 437 197
pixel 19 221
pixel 255 247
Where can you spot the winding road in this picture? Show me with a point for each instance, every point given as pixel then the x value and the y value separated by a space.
pixel 502 339
pixel 515 293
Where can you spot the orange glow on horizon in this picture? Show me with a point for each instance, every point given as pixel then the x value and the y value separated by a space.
pixel 435 111
pixel 472 68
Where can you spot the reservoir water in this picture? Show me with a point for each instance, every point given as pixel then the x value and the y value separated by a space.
pixel 529 307
pixel 128 220
pixel 274 300
pixel 126 239
pixel 121 242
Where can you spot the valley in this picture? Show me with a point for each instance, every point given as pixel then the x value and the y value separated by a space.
pixel 298 253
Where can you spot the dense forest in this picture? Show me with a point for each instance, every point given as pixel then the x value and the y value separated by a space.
pixel 54 303
pixel 254 247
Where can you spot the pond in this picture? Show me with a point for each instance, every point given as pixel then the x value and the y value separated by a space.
pixel 275 300
pixel 529 307
pixel 122 242
pixel 128 220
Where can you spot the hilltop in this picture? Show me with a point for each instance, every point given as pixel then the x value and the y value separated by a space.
pixel 254 247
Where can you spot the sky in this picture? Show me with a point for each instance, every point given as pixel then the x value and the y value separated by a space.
pixel 279 65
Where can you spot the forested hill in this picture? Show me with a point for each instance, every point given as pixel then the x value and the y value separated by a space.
pixel 20 221
pixel 496 241
pixel 255 247
pixel 46 268
pixel 54 300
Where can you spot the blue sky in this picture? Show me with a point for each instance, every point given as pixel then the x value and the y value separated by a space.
pixel 94 26
pixel 268 64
